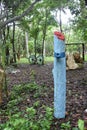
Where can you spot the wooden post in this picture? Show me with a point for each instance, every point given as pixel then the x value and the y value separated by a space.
pixel 59 74
pixel 2 76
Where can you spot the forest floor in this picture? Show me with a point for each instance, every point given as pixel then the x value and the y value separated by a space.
pixel 76 92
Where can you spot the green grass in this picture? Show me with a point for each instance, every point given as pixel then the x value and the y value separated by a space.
pixel 86 57
pixel 49 59
pixel 25 60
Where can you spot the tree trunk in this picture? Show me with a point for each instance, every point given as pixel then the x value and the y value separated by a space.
pixel 2 77
pixel 13 39
pixel 7 55
pixel 44 51
pixel 44 35
pixel 43 44
pixel 35 46
pixel 27 49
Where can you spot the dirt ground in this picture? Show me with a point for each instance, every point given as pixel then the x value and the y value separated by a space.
pixel 76 95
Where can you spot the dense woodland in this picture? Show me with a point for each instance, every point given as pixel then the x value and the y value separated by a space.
pixel 27 26
pixel 26 31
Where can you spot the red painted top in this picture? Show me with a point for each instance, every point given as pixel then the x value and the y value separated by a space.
pixel 59 35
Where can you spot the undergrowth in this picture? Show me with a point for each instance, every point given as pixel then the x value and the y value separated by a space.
pixel 24 110
pixel 27 118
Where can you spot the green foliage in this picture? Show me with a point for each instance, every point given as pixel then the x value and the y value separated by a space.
pixel 19 89
pixel 36 104
pixel 36 23
pixel 27 118
pixel 81 124
pixel 74 128
pixel 78 9
pixel 29 121
pixel 66 126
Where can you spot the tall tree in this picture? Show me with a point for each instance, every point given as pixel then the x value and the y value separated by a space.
pixel 27 48
pixel 78 9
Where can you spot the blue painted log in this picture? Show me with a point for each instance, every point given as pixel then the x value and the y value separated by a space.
pixel 59 74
